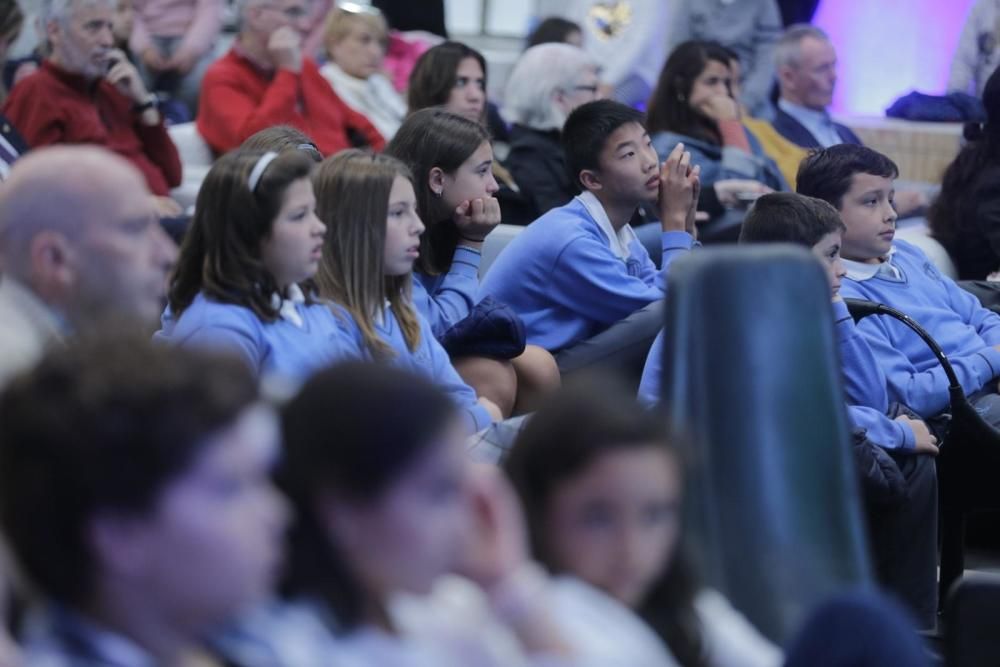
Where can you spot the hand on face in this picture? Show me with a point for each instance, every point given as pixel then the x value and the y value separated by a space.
pixel 679 189
pixel 475 219
pixel 285 49
pixel 123 75
pixel 720 108
pixel 498 543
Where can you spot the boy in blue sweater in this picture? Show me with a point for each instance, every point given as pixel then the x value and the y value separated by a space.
pixel 903 526
pixel 579 269
pixel 859 183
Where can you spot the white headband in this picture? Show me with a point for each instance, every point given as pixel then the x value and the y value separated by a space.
pixel 258 169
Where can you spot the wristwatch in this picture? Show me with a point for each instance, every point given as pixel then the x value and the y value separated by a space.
pixel 149 103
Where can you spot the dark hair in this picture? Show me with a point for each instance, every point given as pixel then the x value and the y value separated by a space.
pixel 435 138
pixel 953 211
pixel 103 425
pixel 552 29
pixel 280 138
pixel 787 217
pixel 587 130
pixel 353 452
pixel 434 75
pixel 583 422
pixel 670 108
pixel 220 255
pixel 827 173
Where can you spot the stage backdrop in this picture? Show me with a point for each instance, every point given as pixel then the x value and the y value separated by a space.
pixel 890 47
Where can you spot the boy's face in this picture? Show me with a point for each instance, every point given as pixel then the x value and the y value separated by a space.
pixel 868 213
pixel 629 167
pixel 827 250
pixel 212 544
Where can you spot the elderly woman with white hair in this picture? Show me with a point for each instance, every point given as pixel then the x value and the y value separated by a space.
pixel 546 84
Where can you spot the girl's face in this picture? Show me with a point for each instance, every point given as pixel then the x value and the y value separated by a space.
pixel 472 180
pixel 468 96
pixel 714 80
pixel 615 524
pixel 402 229
pixel 414 533
pixel 293 249
pixel 359 53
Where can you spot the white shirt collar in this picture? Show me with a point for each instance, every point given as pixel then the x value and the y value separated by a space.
pixel 618 241
pixel 287 308
pixel 861 271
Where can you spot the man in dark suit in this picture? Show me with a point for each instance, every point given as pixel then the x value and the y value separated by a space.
pixel 807 76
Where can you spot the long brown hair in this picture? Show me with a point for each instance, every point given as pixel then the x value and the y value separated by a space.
pixel 221 253
pixel 670 107
pixel 435 73
pixel 11 22
pixel 352 200
pixel 435 138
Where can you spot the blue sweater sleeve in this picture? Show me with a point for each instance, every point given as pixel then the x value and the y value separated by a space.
pixel 587 279
pixel 652 373
pixel 983 320
pixel 447 378
pixel 864 381
pixel 229 330
pixel 455 295
pixel 884 432
pixel 926 392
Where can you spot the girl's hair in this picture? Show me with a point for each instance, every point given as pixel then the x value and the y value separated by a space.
pixel 435 138
pixel 279 138
pixel 578 426
pixel 352 200
pixel 350 453
pixel 221 253
pixel 670 107
pixel 953 211
pixel 434 75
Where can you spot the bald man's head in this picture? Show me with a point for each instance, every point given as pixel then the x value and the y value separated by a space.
pixel 77 226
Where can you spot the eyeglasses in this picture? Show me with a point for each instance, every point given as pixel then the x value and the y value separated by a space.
pixel 590 89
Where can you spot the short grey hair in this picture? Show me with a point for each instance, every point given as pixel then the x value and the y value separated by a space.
pixel 62 10
pixel 787 52
pixel 538 74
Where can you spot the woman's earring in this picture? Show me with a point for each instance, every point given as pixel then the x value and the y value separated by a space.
pixel 438 193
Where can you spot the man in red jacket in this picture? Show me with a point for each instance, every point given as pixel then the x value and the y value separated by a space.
pixel 265 80
pixel 87 92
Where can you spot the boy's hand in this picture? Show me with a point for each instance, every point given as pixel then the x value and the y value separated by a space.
pixel 924 440
pixel 679 188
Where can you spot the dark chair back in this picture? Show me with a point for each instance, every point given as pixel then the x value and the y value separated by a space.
pixel 750 372
pixel 972 622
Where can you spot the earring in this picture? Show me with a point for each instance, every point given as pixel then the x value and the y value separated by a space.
pixel 438 194
pixel 680 97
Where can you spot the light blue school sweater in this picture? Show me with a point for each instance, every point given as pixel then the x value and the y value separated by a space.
pixel 861 373
pixel 965 330
pixel 562 278
pixel 429 360
pixel 446 299
pixel 270 349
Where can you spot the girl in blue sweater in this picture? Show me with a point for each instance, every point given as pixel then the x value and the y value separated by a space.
pixel 243 279
pixel 367 203
pixel 451 159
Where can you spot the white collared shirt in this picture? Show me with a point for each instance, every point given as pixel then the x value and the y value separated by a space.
pixel 287 308
pixel 618 241
pixel 861 271
pixel 819 123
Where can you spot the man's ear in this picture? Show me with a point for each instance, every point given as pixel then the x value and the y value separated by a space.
pixel 590 180
pixel 53 32
pixel 50 262
pixel 786 80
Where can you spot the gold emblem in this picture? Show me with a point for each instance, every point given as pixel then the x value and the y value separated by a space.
pixel 608 20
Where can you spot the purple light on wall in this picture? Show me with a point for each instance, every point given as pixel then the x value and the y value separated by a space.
pixel 886 48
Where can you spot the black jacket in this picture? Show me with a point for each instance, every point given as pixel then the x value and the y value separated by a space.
pixel 538 164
